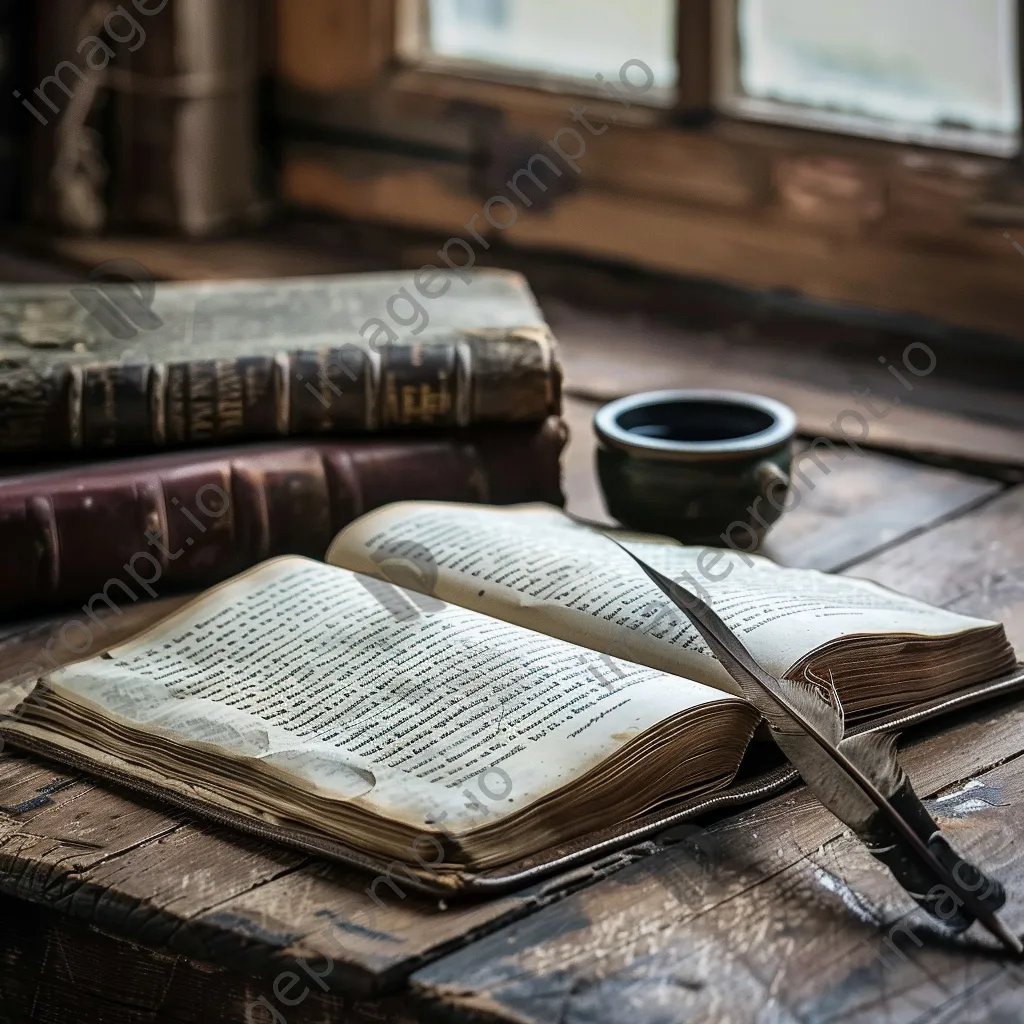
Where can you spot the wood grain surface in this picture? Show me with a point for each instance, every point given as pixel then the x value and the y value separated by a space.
pixel 56 970
pixel 827 224
pixel 608 356
pixel 114 909
pixel 775 915
pixel 975 564
pixel 131 868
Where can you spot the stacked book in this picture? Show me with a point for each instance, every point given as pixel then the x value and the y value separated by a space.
pixel 504 687
pixel 188 431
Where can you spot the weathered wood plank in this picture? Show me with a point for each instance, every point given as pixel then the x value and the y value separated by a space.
pixel 608 356
pixel 580 485
pixel 774 915
pixel 125 865
pixel 323 46
pixel 39 642
pixel 848 506
pixel 972 281
pixel 973 564
pixel 54 970
pixel 267 254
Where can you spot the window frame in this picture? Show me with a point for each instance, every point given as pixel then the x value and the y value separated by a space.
pixel 381 45
pixel 412 52
pixel 682 190
pixel 730 101
pixel 708 55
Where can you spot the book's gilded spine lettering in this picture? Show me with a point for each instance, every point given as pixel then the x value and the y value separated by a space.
pixel 473 377
pixel 34 409
pixel 218 399
pixel 176 414
pixel 230 399
pixel 328 392
pixel 259 396
pixel 420 384
pixel 202 401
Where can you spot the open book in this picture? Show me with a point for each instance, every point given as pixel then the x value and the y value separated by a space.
pixel 528 688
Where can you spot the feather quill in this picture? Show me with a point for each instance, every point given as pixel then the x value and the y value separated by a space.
pixel 858 778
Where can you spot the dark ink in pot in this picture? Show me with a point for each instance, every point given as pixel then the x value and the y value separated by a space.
pixel 705 467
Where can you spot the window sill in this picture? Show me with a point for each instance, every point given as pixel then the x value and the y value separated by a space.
pixel 886 224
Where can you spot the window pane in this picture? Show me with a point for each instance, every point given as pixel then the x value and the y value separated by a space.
pixel 926 62
pixel 578 38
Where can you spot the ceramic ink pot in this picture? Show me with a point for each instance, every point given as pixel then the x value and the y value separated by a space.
pixel 705 467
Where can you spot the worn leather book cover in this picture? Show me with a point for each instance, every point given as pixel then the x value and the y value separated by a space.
pixel 187 520
pixel 109 367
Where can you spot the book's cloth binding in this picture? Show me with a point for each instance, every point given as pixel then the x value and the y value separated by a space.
pixel 598 851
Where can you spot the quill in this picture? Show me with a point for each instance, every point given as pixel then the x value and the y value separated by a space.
pixel 858 778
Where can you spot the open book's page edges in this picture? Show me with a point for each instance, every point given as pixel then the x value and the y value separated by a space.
pixel 615 842
pixel 487 560
pixel 319 598
pixel 740 794
pixel 1003 655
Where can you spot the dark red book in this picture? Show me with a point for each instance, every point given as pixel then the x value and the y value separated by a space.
pixel 144 527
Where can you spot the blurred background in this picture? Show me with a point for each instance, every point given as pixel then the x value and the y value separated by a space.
pixel 816 201
pixel 769 189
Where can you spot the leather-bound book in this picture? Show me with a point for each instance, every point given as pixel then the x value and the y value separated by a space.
pixel 503 688
pixel 104 368
pixel 134 528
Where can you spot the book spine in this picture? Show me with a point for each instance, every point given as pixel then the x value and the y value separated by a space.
pixel 143 527
pixel 470 378
pixel 195 78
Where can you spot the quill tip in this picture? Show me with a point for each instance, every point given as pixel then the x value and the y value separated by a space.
pixel 1002 933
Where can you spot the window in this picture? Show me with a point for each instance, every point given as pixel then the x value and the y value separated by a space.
pixel 574 39
pixel 934 71
pixel 937 72
pixel 415 112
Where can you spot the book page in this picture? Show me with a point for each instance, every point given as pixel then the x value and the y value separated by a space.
pixel 299 665
pixel 535 566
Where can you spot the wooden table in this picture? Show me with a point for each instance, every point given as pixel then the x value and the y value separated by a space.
pixel 115 910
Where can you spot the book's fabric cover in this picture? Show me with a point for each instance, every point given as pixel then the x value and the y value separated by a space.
pixel 191 519
pixel 107 367
pixel 596 851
